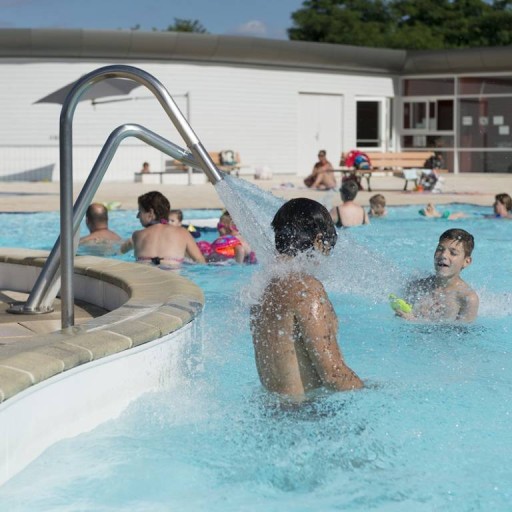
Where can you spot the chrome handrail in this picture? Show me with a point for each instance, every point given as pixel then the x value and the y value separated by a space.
pixel 62 254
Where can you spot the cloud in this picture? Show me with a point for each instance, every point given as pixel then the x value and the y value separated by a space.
pixel 253 28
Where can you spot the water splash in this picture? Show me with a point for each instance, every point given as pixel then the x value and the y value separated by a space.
pixel 494 304
pixel 352 267
pixel 252 209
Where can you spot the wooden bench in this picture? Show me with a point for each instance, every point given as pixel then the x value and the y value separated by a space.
pixel 403 164
pixel 175 173
pixel 215 156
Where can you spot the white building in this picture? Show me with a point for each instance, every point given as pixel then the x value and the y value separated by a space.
pixel 275 102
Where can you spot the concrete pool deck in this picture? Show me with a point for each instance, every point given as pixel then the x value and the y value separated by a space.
pixel 473 188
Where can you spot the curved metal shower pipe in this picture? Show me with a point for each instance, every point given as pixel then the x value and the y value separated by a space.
pixel 48 275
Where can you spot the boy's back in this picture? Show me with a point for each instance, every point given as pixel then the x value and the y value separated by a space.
pixel 294 331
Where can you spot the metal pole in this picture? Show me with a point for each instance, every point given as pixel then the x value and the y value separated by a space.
pixel 68 222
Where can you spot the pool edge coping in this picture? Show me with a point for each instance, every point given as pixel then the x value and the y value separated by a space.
pixel 158 303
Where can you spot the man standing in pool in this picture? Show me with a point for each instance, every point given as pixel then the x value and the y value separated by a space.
pixel 96 218
pixel 294 326
pixel 444 296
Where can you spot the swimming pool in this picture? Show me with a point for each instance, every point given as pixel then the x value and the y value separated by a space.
pixel 430 432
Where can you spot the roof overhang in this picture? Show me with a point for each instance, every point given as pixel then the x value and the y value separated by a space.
pixel 130 45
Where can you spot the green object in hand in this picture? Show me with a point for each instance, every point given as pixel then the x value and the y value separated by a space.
pixel 399 304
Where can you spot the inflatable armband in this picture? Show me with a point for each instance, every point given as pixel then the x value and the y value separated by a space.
pixel 225 245
pixel 398 304
pixel 205 247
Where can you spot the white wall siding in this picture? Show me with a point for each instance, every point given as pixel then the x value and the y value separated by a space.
pixel 253 110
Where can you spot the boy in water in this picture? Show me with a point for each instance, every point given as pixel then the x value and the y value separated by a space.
pixel 377 206
pixel 444 296
pixel 294 326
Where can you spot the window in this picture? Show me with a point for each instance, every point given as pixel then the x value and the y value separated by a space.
pixel 439 118
pixel 368 122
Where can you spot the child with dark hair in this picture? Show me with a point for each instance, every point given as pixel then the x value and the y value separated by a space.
pixel 349 213
pixel 444 296
pixel 294 326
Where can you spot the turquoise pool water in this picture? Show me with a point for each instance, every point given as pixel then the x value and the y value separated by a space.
pixel 430 432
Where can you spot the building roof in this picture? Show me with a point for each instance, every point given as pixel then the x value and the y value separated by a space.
pixel 133 45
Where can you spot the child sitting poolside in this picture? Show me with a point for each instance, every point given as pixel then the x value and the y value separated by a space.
pixel 444 296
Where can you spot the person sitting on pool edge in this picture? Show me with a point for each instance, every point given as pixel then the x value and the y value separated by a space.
pixel 294 326
pixel 431 211
pixel 322 176
pixel 159 242
pixel 96 219
pixel 444 296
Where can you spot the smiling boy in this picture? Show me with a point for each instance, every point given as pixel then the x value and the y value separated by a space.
pixel 444 296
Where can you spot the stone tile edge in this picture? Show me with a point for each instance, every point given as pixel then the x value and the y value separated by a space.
pixel 145 316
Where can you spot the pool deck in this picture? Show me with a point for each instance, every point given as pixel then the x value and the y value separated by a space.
pixel 478 189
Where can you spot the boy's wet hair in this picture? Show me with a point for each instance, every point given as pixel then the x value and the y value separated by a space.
pixel 158 202
pixel 178 214
pixel 378 200
pixel 462 236
pixel 504 199
pixel 298 223
pixel 349 190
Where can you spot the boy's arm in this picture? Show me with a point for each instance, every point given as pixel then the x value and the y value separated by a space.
pixel 469 307
pixel 318 324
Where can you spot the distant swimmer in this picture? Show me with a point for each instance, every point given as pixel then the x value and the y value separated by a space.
pixel 294 326
pixel 431 211
pixel 444 296
pixel 101 240
pixel 502 207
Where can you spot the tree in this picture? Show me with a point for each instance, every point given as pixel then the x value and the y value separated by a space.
pixel 416 24
pixel 183 25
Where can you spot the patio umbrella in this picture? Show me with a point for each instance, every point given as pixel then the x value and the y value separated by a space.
pixel 108 87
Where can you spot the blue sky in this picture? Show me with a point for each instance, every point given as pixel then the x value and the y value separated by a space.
pixel 260 18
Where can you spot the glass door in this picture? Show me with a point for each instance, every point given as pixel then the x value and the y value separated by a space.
pixel 372 120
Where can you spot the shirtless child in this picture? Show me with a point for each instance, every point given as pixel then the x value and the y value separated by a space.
pixel 444 296
pixel 294 326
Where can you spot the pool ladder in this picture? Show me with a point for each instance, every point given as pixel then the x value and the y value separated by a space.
pixel 59 267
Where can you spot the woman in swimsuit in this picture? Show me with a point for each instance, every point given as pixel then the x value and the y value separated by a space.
pixel 349 213
pixel 160 242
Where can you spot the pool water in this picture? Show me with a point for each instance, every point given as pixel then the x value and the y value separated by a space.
pixel 431 431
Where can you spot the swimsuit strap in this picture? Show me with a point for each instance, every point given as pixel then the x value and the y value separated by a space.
pixel 339 224
pixel 157 259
